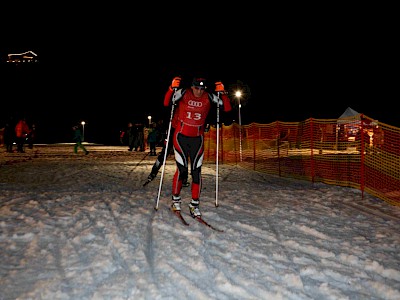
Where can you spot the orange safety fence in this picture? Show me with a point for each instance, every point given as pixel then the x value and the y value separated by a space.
pixel 357 152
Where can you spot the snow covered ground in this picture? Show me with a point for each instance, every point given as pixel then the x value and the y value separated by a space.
pixel 83 227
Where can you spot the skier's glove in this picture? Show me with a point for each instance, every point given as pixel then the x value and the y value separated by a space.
pixel 175 82
pixel 219 87
pixel 177 96
pixel 216 100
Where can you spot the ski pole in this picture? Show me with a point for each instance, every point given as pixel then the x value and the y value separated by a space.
pixel 216 168
pixel 166 151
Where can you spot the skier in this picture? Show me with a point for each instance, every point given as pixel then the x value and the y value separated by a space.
pixel 160 158
pixel 192 108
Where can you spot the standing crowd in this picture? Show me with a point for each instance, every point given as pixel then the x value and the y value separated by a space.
pixel 133 136
pixel 18 133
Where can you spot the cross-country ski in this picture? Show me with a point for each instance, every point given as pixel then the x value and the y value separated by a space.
pixel 179 215
pixel 201 220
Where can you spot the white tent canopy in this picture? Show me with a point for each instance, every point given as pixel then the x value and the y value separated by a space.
pixel 352 116
pixel 348 113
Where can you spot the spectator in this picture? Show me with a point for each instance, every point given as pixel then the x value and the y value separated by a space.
pixel 21 132
pixel 122 137
pixel 77 138
pixel 130 135
pixel 31 136
pixel 152 139
pixel 160 158
pixel 378 137
pixel 139 137
pixel 9 136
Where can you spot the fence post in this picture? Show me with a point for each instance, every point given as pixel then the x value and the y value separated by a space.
pixel 312 151
pixel 362 167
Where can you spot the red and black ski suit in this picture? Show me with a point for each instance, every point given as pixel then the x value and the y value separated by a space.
pixel 188 139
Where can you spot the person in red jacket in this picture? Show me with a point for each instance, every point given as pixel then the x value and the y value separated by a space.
pixel 192 108
pixel 21 132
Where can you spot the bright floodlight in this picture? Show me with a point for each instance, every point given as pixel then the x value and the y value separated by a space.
pixel 238 94
pixel 83 130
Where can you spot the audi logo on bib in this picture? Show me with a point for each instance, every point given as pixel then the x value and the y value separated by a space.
pixel 195 103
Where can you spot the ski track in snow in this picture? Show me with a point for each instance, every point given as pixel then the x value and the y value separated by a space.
pixel 84 227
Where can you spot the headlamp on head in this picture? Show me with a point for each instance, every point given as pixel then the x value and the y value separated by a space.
pixel 199 82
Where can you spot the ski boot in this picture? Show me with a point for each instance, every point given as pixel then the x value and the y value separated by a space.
pixel 176 203
pixel 194 208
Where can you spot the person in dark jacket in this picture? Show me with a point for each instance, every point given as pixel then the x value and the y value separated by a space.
pixel 130 135
pixel 9 136
pixel 160 158
pixel 152 139
pixel 77 138
pixel 139 137
pixel 31 136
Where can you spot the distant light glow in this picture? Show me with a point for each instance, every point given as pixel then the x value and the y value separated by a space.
pixel 28 56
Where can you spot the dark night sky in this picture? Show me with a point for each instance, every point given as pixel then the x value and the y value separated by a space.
pixel 111 72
